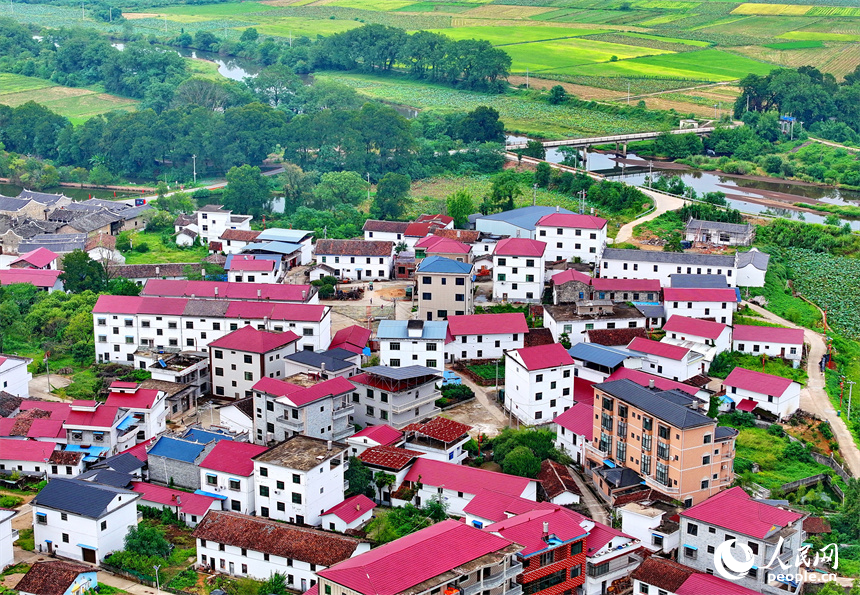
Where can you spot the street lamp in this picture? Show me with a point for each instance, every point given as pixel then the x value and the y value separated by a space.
pixel 534 195
pixel 157 585
pixel 194 158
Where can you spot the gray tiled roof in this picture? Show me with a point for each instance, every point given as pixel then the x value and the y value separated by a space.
pixel 696 224
pixel 658 404
pixel 758 259
pixel 107 477
pixel 42 197
pixel 699 281
pixel 682 258
pixel 94 221
pixel 79 497
pixel 122 463
pixel 13 205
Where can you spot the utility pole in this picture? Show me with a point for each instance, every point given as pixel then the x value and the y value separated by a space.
pixel 194 159
pixel 650 175
pixel 48 370
pixel 291 38
pixel 534 195
pixel 851 384
pixel 628 92
pixel 368 186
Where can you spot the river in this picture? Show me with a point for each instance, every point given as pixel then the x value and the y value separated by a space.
pixel 231 67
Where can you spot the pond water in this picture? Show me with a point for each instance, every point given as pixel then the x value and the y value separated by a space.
pixel 231 67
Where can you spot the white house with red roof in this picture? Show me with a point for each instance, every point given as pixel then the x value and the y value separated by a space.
pixel 223 290
pixel 394 396
pixel 33 457
pixel 352 338
pixel 14 376
pixel 444 247
pixel 391 460
pixel 352 513
pixel 100 428
pixel 538 383
pixel 767 531
pixel 247 268
pixel 228 471
pixel 575 430
pixel 750 389
pixel 518 271
pixel 238 360
pixel 662 576
pixel 489 506
pixel 663 359
pixel 772 341
pixel 147 405
pixel 571 236
pixel 40 258
pixel 707 337
pixel 300 404
pixel 43 280
pixel 381 435
pixel 439 438
pixel 717 303
pixel 190 507
pixel 456 485
pixel 485 336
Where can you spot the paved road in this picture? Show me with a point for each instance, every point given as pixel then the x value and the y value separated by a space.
pixel 39 386
pixel 596 509
pixel 814 399
pixel 662 203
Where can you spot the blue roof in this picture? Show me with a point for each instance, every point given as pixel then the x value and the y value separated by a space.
pixel 210 494
pixel 127 423
pixel 526 217
pixel 202 436
pixel 279 234
pixel 440 264
pixel 397 329
pixel 278 247
pixel 180 450
pixel 598 354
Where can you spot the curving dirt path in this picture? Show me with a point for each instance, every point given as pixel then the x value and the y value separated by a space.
pixel 662 203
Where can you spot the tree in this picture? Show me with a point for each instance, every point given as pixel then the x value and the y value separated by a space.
pixel 249 34
pixel 482 124
pixel 247 191
pixel 534 148
pixel 338 188
pixel 831 588
pixel 557 95
pixel 359 478
pixel 297 185
pixel 460 205
pixel 82 273
pixel 274 84
pixel 383 480
pixel 521 461
pixel 847 522
pixel 543 174
pixel 504 189
pixel 673 243
pixel 275 585
pixel 147 541
pixel 392 196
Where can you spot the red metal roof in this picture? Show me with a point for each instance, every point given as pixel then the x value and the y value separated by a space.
pixel 579 419
pixel 233 457
pixel 188 503
pixel 734 510
pixel 469 480
pixel 440 428
pixel 139 451
pixel 352 508
pixel 395 567
pixel 758 382
pixel 767 334
pixel 418 230
pixel 691 294
pixel 275 387
pixel 487 324
pixel 142 398
pixel 249 263
pixel 124 304
pixel 544 356
pixel 571 275
pixel 37 277
pixel 572 220
pixel 747 405
pixel 437 217
pixel 328 388
pixel 103 417
pixel 40 257
pixel 496 506
pixel 604 284
pixel 695 327
pixel 251 340
pixel 708 584
pixel 226 290
pixel 659 349
pixel 389 457
pixel 644 379
pixel 384 435
pixel 448 246
pixel 26 450
pixel 352 338
pixel 121 384
pixel 527 529
pixel 520 247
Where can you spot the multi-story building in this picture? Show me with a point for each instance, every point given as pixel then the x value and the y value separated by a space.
pixel 485 336
pixel 299 479
pixel 381 435
pixel 719 304
pixel 659 575
pixel 444 287
pixel 771 341
pixel 516 223
pixel 575 320
pixel 277 240
pixel 707 337
pixel 224 290
pixel 300 404
pixel 443 247
pixel 518 270
pixel 394 396
pixel 325 364
pixel 385 231
pixel 440 438
pixel 246 268
pixel 572 237
pixel 214 220
pixel 357 260
pixel 750 390
pixel 769 532
pixel 177 462
pixel 109 430
pixel 238 360
pixel 14 376
pixel 660 439
pixel 464 560
pixel 147 405
pixel 412 343
pixel 245 546
pixel 670 361
pixel 186 368
pixel 228 472
pixel 538 383
pixel 575 430
pixel 717 232
pixel 125 325
pixel 648 264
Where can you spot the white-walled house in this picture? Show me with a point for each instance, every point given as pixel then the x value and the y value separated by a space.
pixel 299 479
pixel 7 537
pixel 649 264
pixel 352 513
pixel 245 546
pixel 575 430
pixel 240 359
pixel 707 337
pixel 485 336
pixel 412 343
pixel 14 376
pixel 148 405
pixel 371 436
pixel 246 268
pixel 772 341
pixel 538 383
pixel 518 270
pixel 575 320
pixel 669 361
pixel 775 394
pixel 228 471
pixel 357 260
pixel 651 524
pixel 214 220
pixel 752 268
pixel 190 507
pixel 719 304
pixel 395 396
pixel 82 520
pixel 664 576
pixel 572 236
pixel 440 438
pixel 385 231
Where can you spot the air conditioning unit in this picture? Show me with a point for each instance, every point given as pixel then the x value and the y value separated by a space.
pixel 277 492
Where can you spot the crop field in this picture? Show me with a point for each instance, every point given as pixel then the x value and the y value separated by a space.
pixel 501 36
pixel 705 65
pixel 772 9
pixel 565 55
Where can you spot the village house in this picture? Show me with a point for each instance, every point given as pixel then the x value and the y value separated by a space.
pixel 224 290
pixel 353 338
pixel 172 461
pixel 717 232
pixel 394 396
pixel 440 439
pixel 669 361
pixel 412 343
pixel 239 359
pixel 40 259
pixel 393 461
pixel 558 483
pixel 574 320
pixel 648 264
pixel 214 220
pixel 14 376
pixel 147 405
pixel 706 337
pixel 443 287
pixel 381 435
pixel 245 546
pixel 228 471
pixel 595 363
pixel 352 513
pixel 654 523
pixel 719 304
pixel 100 428
pixel 516 223
pixel 385 231
pixel 443 247
pixel 771 341
pixel 572 237
pixel 234 240
pixel 575 430
pixel 296 245
pixel 36 458
pixel 369 260
pixel 42 280
pixel 538 383
pixel 189 507
pixel 8 536
pixel 485 336
pixel 314 471
pixel 659 575
pixel 247 268
pixel 518 270
pixel 57 577
pixel 752 390
pixel 332 363
pixel 186 368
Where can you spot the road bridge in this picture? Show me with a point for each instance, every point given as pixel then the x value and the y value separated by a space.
pixel 617 139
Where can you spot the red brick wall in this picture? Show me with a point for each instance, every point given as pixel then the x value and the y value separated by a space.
pixel 532 570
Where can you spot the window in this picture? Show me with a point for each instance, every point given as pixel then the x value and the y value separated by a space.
pixel 297 498
pixel 431 363
pixel 249 376
pixel 264 491
pixel 264 471
pixel 104 525
pixel 63 515
pixel 546 582
pixel 297 478
pixel 706 460
pixel 753 547
pixel 692 529
pixel 459 281
pixel 704 484
pixel 690 552
pixel 501 277
pixel 707 439
pixel 657 540
pixel 234 484
pixel 211 480
pixel 395 362
pixel 65 538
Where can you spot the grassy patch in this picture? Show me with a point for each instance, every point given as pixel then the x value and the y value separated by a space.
pixel 795 45
pixel 727 361
pixel 161 252
pixel 26 541
pixel 780 299
pixel 489 371
pixel 519 34
pixel 710 65
pixel 661 226
pixel 76 103
pixel 299 26
pixel 21 568
pixel 561 56
pixel 818 35
pixel 693 42
pixel 225 9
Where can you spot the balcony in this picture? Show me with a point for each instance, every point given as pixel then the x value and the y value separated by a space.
pixel 346 410
pixel 515 590
pixel 514 569
pixel 660 487
pixel 401 405
pixel 297 425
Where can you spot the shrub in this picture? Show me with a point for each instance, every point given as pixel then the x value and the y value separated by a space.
pixel 326 291
pixel 775 430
